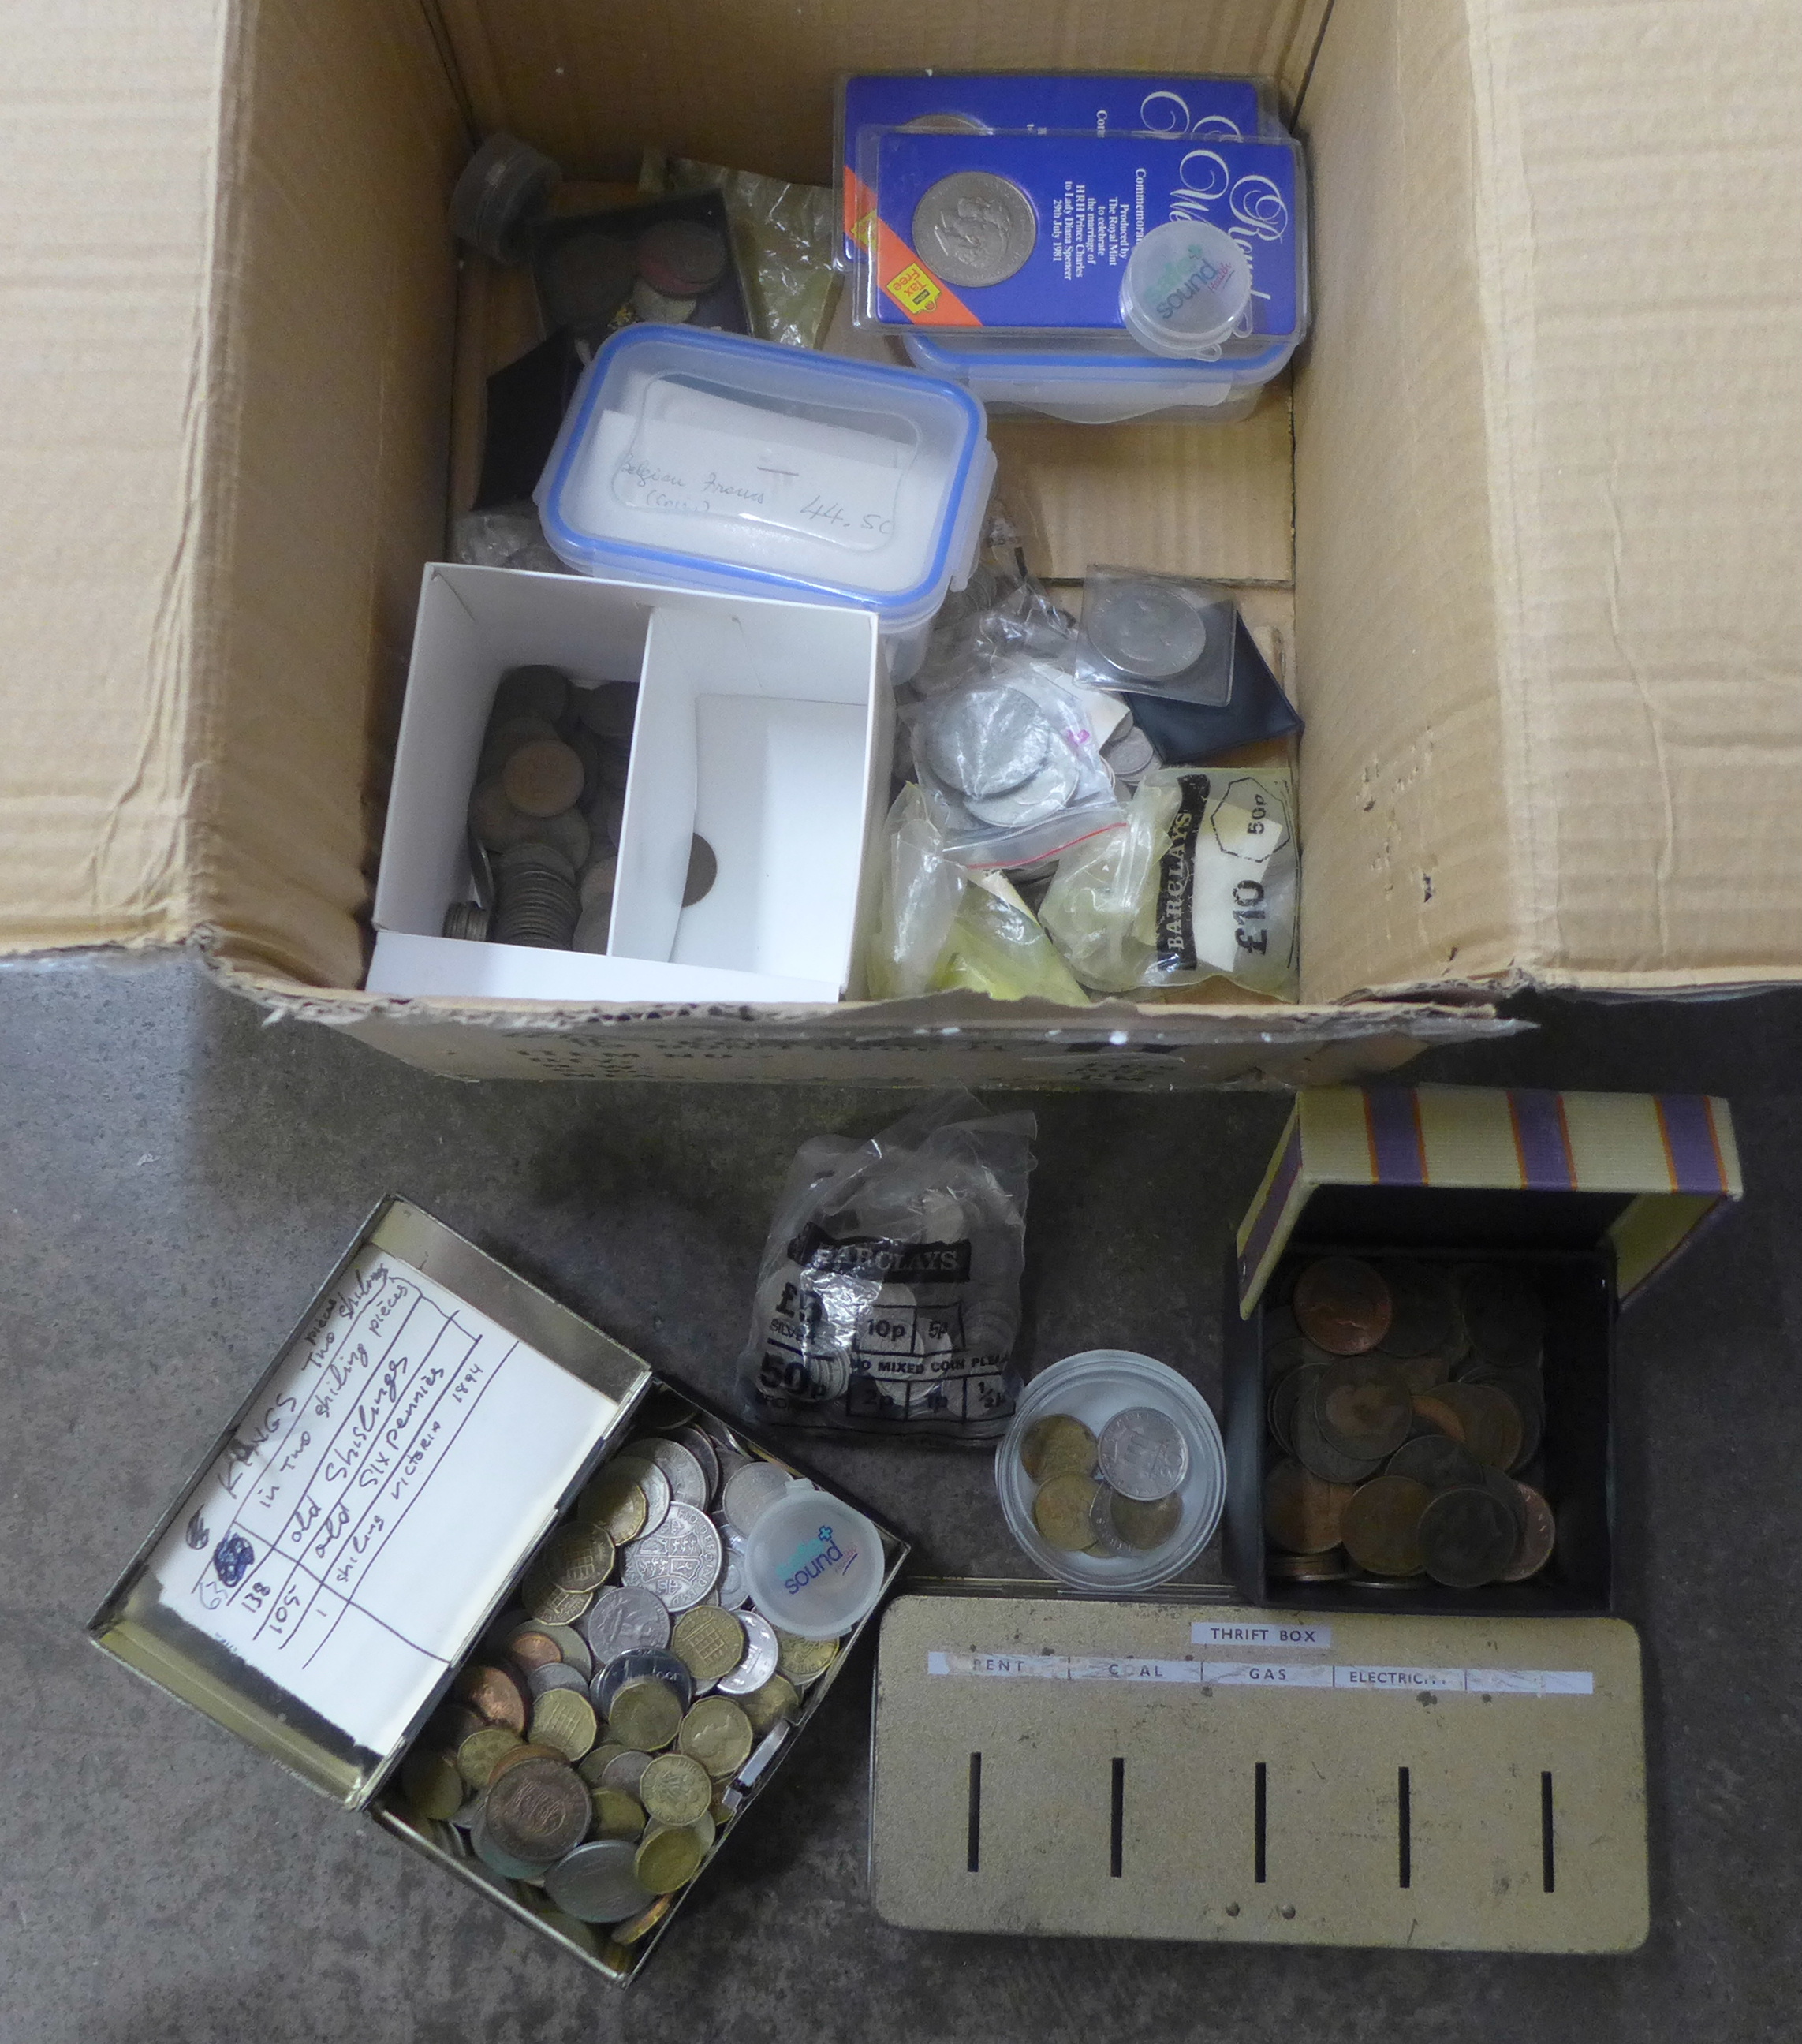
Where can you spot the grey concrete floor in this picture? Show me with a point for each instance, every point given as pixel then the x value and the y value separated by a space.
pixel 178 1178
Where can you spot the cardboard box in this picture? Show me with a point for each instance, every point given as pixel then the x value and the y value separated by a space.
pixel 351 1535
pixel 1536 518
pixel 1587 1196
pixel 765 728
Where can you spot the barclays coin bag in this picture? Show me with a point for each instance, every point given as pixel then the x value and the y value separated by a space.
pixel 888 1298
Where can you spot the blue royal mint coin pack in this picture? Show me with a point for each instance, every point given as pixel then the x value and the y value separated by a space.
pixel 980 103
pixel 1034 234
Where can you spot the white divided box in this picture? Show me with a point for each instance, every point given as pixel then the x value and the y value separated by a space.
pixel 765 728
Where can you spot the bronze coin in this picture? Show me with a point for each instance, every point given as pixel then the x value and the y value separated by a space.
pixel 1325 1457
pixel 1423 1314
pixel 1538 1541
pixel 534 1649
pixel 1289 1353
pixel 1341 1303
pixel 1380 1527
pixel 515 1754
pixel 494 1695
pixel 1467 1537
pixel 1431 1408
pixel 1057 1445
pixel 537 1811
pixel 1364 1408
pixel 1492 1429
pixel 543 778
pixel 1286 1393
pixel 1141 1525
pixel 1422 1372
pixel 1503 1312
pixel 1327 1568
pixel 1436 1460
pixel 1301 1512
pixel 450 1725
pixel 432 1784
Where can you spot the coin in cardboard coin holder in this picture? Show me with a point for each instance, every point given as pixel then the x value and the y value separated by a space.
pixel 337 1584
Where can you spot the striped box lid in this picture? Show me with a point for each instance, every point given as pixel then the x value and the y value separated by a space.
pixel 1672 1156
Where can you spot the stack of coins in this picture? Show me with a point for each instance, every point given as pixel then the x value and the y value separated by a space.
pixel 548 802
pixel 1405 1402
pixel 1113 1493
pixel 592 280
pixel 607 1731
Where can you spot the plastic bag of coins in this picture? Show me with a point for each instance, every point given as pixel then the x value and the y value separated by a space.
pixel 1404 1404
pixel 599 1743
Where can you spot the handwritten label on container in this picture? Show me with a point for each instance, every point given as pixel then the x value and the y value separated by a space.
pixel 347 1539
pixel 837 499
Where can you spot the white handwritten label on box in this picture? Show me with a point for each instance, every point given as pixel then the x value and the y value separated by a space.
pixel 1290 1635
pixel 702 471
pixel 351 1535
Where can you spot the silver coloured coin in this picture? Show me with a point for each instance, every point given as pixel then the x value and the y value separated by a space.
pixel 734 1588
pixel 680 1561
pixel 982 741
pixel 1049 791
pixel 760 1655
pixel 657 1667
pixel 1130 752
pixel 625 1621
pixel 556 1675
pixel 1141 1453
pixel 975 228
pixel 686 1478
pixel 596 1883
pixel 702 1450
pixel 1145 629
pixel 626 1771
pixel 749 1492
pixel 652 1481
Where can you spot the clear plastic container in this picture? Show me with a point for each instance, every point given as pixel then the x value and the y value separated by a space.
pixel 1100 383
pixel 1187 290
pixel 1095 1387
pixel 813 1565
pixel 505 190
pixel 706 461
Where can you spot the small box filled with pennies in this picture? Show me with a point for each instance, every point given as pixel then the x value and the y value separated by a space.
pixel 611 1725
pixel 1433 1431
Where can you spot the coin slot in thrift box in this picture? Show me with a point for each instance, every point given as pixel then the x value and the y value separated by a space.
pixel 464 1562
pixel 763 727
pixel 1420 1380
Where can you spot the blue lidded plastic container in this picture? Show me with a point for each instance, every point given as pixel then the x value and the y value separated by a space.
pixel 702 460
pixel 1099 382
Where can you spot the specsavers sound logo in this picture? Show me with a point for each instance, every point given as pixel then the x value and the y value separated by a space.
pixel 813 1557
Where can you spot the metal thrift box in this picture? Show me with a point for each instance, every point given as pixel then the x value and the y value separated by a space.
pixel 1378 1763
pixel 372 1507
pixel 1068 1767
pixel 1531 1215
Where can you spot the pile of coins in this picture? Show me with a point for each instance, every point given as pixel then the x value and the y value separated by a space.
pixel 1405 1401
pixel 597 274
pixel 546 814
pixel 607 1731
pixel 1116 1493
